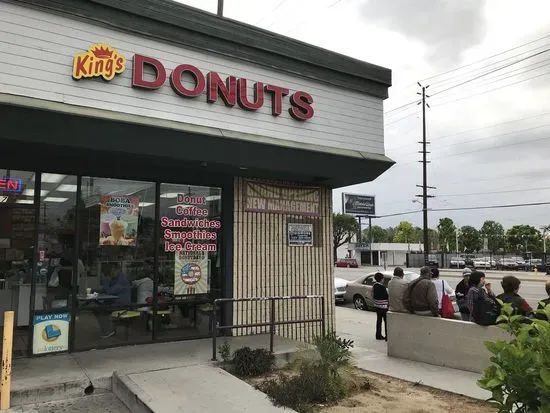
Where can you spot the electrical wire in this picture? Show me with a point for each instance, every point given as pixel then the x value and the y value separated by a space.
pixel 491 71
pixel 487 58
pixel 496 192
pixel 271 12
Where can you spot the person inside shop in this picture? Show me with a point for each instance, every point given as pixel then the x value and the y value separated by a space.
pixel 114 283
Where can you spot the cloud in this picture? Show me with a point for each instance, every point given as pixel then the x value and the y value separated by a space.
pixel 447 28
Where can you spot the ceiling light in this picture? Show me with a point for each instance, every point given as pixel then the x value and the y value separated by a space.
pixel 146 204
pixel 55 199
pixel 24 201
pixel 180 205
pixel 52 178
pixel 213 197
pixel 66 188
pixel 30 192
pixel 169 195
pixel 4 199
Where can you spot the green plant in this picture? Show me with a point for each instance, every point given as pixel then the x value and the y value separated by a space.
pixel 519 376
pixel 318 380
pixel 225 351
pixel 250 363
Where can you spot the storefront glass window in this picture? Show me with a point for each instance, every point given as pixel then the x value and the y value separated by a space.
pixel 117 250
pixel 190 262
pixel 17 231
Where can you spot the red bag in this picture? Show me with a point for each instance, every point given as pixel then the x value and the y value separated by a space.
pixel 447 309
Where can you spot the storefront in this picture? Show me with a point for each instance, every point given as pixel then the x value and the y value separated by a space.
pixel 156 157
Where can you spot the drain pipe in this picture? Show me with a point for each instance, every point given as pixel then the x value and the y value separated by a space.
pixel 5 378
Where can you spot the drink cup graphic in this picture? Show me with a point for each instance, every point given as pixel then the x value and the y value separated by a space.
pixel 106 224
pixel 118 230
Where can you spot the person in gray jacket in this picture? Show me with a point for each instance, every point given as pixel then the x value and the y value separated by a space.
pixel 396 290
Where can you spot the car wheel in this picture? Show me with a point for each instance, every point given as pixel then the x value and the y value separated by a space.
pixel 359 303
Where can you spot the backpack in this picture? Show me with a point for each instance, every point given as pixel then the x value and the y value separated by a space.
pixel 485 313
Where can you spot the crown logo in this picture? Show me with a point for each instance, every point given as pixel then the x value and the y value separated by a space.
pixel 100 60
pixel 102 52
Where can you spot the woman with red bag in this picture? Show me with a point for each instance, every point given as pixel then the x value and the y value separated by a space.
pixel 445 295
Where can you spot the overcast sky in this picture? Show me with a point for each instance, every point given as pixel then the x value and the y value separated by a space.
pixel 490 137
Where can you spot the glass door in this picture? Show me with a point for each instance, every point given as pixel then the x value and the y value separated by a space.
pixel 17 232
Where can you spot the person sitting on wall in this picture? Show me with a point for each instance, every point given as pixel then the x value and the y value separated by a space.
pixel 482 304
pixel 396 291
pixel 461 291
pixel 510 286
pixel 114 283
pixel 544 303
pixel 421 296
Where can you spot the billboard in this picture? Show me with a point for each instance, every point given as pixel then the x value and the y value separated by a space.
pixel 355 204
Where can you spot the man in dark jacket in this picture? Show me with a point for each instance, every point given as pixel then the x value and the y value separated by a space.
pixel 510 286
pixel 421 295
pixel 461 292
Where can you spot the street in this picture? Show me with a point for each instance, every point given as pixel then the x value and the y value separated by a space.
pixel 532 291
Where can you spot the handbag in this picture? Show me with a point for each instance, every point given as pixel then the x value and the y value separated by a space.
pixel 447 309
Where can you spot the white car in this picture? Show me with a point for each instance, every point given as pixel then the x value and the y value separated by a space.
pixel 485 262
pixel 458 262
pixel 339 289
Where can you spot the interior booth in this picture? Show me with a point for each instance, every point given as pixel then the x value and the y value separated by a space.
pixel 155 157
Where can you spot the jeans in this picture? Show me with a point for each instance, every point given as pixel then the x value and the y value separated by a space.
pixel 381 314
pixel 105 321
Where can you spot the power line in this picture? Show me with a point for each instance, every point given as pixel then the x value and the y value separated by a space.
pixel 492 206
pixel 487 58
pixel 415 102
pixel 496 192
pixel 271 12
pixel 491 90
pixel 491 71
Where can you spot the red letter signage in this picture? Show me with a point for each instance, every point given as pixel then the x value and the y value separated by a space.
pixel 227 91
pixel 301 106
pixel 277 94
pixel 137 75
pixel 242 95
pixel 177 85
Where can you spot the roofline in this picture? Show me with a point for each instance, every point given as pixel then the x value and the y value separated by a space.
pixel 183 25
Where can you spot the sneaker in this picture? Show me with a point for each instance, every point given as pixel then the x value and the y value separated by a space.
pixel 111 334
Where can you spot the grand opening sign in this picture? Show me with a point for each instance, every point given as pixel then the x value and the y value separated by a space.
pixel 189 82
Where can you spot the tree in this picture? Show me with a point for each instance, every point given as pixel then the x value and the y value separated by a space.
pixel 469 239
pixel 379 234
pixel 390 231
pixel 524 238
pixel 345 227
pixel 433 237
pixel 494 232
pixel 447 234
pixel 405 232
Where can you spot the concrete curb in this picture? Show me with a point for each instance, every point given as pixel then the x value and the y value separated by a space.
pixel 56 392
pixel 129 393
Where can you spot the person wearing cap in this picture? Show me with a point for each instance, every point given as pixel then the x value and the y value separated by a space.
pixel 461 291
pixel 396 291
pixel 421 295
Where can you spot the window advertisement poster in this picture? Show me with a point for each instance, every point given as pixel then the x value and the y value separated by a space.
pixel 51 333
pixel 300 235
pixel 191 273
pixel 119 220
pixel 355 204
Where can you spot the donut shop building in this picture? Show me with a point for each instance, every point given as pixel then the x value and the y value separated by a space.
pixel 156 157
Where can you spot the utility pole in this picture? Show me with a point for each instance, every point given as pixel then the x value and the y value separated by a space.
pixel 425 162
pixel 220 8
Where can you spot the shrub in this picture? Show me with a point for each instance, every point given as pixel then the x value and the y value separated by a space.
pixel 319 379
pixel 519 376
pixel 225 352
pixel 250 363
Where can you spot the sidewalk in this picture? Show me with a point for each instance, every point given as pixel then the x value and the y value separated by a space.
pixel 371 354
pixel 156 377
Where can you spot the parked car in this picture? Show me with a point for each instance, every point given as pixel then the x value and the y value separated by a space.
pixel 458 262
pixel 347 263
pixel 533 263
pixel 360 291
pixel 468 259
pixel 485 262
pixel 507 264
pixel 339 289
pixel 432 261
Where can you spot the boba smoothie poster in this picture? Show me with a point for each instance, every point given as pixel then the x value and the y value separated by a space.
pixel 119 220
